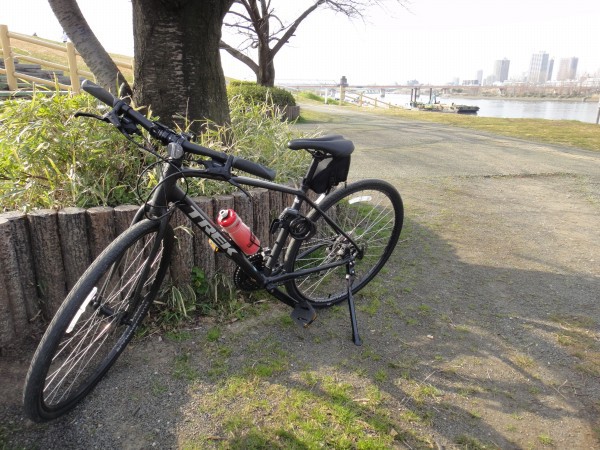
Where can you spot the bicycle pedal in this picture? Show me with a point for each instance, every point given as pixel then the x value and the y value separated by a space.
pixel 304 314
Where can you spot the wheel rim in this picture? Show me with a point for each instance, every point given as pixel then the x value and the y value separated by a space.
pixel 368 217
pixel 102 325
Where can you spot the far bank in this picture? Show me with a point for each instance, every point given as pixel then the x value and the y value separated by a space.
pixel 561 132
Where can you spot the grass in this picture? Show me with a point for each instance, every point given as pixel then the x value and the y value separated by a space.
pixel 470 443
pixel 561 132
pixel 316 411
pixel 183 368
pixel 57 56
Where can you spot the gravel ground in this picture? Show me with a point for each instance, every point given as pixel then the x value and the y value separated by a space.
pixel 490 300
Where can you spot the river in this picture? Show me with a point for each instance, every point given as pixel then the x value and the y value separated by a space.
pixel 530 109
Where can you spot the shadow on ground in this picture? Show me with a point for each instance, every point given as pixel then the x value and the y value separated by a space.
pixel 455 355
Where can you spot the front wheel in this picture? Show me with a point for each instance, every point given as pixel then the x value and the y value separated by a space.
pixel 371 213
pixel 97 320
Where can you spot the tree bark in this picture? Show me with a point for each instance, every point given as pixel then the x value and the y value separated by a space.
pixel 178 66
pixel 97 59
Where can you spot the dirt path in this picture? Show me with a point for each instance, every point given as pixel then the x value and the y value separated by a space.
pixel 483 332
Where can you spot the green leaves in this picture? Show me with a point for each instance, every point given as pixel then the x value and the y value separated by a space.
pixel 49 159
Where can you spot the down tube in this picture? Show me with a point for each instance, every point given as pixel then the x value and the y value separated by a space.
pixel 226 246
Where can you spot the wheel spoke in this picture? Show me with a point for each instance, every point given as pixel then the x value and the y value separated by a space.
pixel 371 217
pixel 103 322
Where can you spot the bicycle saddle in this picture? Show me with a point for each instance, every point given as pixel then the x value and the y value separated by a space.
pixel 334 144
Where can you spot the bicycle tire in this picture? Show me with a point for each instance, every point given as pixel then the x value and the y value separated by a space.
pixel 97 320
pixel 371 212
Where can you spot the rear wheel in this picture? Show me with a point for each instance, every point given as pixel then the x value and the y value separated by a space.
pixel 97 320
pixel 370 212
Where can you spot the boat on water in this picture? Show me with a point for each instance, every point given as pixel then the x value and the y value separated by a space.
pixel 446 108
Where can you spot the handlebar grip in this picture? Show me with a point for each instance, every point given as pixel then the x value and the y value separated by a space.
pixel 100 93
pixel 254 168
pixel 238 163
pixel 104 96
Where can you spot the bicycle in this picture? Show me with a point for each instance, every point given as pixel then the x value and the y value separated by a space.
pixel 318 259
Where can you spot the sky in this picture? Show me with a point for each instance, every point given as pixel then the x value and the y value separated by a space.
pixel 432 41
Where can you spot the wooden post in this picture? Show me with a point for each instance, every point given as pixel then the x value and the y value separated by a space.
pixel 72 59
pixel 183 254
pixel 21 242
pixel 598 115
pixel 13 316
pixel 72 227
pixel 101 230
pixel 260 202
pixel 47 257
pixel 124 215
pixel 9 62
pixel 204 255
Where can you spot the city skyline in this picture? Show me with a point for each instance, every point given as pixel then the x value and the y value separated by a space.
pixel 427 40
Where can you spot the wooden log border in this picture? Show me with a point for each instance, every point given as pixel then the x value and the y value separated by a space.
pixel 43 253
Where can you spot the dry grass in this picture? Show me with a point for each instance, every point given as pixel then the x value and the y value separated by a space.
pixel 59 57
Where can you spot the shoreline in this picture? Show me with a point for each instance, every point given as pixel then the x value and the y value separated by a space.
pixel 592 99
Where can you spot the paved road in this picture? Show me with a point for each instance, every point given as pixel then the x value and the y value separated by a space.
pixel 398 149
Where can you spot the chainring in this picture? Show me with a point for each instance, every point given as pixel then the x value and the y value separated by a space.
pixel 242 281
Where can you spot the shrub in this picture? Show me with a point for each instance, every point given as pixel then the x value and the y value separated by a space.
pixel 255 93
pixel 258 134
pixel 50 159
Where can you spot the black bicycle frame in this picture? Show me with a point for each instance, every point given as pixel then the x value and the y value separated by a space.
pixel 168 193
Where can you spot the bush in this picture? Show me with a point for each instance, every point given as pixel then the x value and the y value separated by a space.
pixel 49 159
pixel 258 134
pixel 255 93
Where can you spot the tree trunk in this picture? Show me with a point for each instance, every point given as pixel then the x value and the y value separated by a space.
pixel 266 67
pixel 71 19
pixel 178 66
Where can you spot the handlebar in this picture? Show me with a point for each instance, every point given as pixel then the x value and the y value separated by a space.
pixel 166 136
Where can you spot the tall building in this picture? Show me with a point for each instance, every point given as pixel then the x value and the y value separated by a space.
pixel 501 67
pixel 550 69
pixel 567 69
pixel 538 69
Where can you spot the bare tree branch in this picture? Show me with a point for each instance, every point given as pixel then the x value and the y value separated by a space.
pixel 239 55
pixel 255 24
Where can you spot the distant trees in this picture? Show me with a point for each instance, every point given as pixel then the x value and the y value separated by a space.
pixel 263 30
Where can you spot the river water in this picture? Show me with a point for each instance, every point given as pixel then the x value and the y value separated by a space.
pixel 530 109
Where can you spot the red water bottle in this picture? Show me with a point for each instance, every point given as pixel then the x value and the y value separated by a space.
pixel 238 231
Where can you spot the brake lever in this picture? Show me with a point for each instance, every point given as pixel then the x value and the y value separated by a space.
pixel 109 117
pixel 123 124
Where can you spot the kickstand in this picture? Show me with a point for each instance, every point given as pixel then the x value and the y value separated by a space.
pixel 350 280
